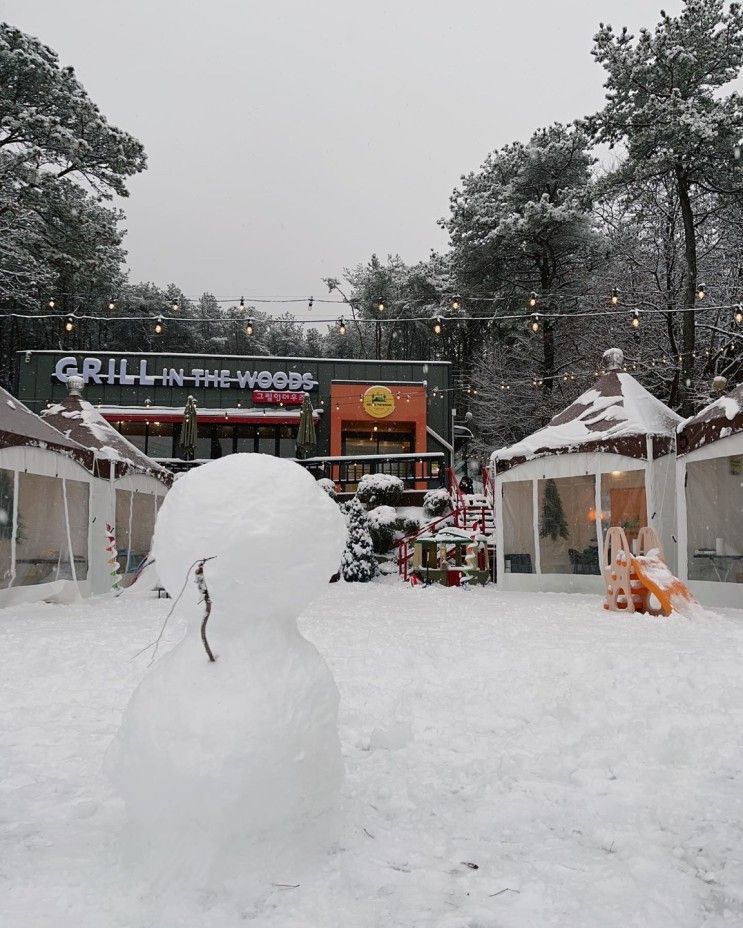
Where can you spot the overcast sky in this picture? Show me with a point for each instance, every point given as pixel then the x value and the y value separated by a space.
pixel 288 139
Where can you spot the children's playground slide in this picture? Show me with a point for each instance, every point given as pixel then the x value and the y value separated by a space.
pixel 640 581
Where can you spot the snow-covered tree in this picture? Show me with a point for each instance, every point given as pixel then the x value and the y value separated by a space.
pixel 49 126
pixel 522 223
pixel 358 564
pixel 665 105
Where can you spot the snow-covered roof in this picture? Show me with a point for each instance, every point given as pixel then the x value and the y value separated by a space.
pixel 721 418
pixel 21 427
pixel 80 421
pixel 447 534
pixel 616 414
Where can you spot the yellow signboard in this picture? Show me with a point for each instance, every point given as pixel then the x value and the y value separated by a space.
pixel 379 402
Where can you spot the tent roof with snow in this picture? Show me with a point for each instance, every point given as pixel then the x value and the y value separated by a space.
pixel 722 418
pixel 19 427
pixel 616 415
pixel 80 421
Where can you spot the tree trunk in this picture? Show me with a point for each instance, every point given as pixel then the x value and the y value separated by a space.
pixel 688 330
pixel 548 359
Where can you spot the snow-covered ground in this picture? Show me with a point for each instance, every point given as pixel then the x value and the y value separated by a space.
pixel 513 761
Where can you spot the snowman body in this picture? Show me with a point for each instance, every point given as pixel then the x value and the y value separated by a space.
pixel 234 766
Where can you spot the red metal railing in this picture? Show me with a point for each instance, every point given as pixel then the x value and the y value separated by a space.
pixel 488 485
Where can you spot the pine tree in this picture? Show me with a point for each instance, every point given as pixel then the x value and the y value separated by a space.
pixel 357 562
pixel 666 105
pixel 554 524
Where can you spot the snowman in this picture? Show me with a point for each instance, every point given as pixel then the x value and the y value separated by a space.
pixel 228 756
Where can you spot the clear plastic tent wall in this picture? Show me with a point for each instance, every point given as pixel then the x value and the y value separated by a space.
pixel 714 507
pixel 136 506
pixel 45 526
pixel 709 499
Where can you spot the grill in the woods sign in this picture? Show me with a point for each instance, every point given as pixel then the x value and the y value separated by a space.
pixel 126 372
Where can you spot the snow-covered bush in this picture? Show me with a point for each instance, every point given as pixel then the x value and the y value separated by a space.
pixel 436 503
pixel 327 484
pixel 407 525
pixel 380 490
pixel 358 564
pixel 383 522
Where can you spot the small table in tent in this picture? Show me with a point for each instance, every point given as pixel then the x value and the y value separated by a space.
pixel 450 557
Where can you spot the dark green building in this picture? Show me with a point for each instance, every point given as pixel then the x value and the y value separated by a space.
pixel 387 410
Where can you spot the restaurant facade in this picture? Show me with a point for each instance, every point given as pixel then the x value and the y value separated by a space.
pixel 377 416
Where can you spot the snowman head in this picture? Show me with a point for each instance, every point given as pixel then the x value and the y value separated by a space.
pixel 275 537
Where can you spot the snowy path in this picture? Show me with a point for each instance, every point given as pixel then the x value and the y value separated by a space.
pixel 591 766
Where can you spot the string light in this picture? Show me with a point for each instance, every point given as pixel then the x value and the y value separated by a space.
pixel 635 321
pixel 51 304
pixel 535 322
pixel 310 302
pixel 341 326
pixel 615 296
pixel 456 304
pixel 249 327
pixel 489 317
pixel 701 292
pixel 159 325
pixel 69 324
pixel 437 326
pixel 112 304
pixel 381 306
pixel 738 315
pixel 174 306
pixel 242 302
pixel 532 299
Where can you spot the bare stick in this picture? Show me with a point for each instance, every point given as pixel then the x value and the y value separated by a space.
pixel 201 584
pixel 156 643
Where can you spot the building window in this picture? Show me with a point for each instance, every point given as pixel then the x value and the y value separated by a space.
pixel 160 439
pixel 287 441
pixel 136 433
pixel 245 436
pixel 266 443
pixel 371 442
pixel 215 440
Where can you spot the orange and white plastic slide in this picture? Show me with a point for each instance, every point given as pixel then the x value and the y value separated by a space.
pixel 670 592
pixel 642 582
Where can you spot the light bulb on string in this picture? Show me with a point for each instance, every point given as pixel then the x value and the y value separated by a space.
pixel 532 299
pixel 456 304
pixel 738 314
pixel 535 322
pixel 310 302
pixel 242 302
pixel 249 327
pixel 112 304
pixel 341 326
pixel 159 325
pixel 69 324
pixel 635 320
pixel 174 306
pixel 615 296
pixel 381 306
pixel 51 303
pixel 437 326
pixel 701 291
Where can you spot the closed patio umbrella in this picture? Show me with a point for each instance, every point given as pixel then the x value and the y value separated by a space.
pixel 189 430
pixel 306 435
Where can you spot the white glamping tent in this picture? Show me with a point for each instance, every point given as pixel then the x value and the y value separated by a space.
pixel 709 495
pixel 48 503
pixel 605 460
pixel 136 484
